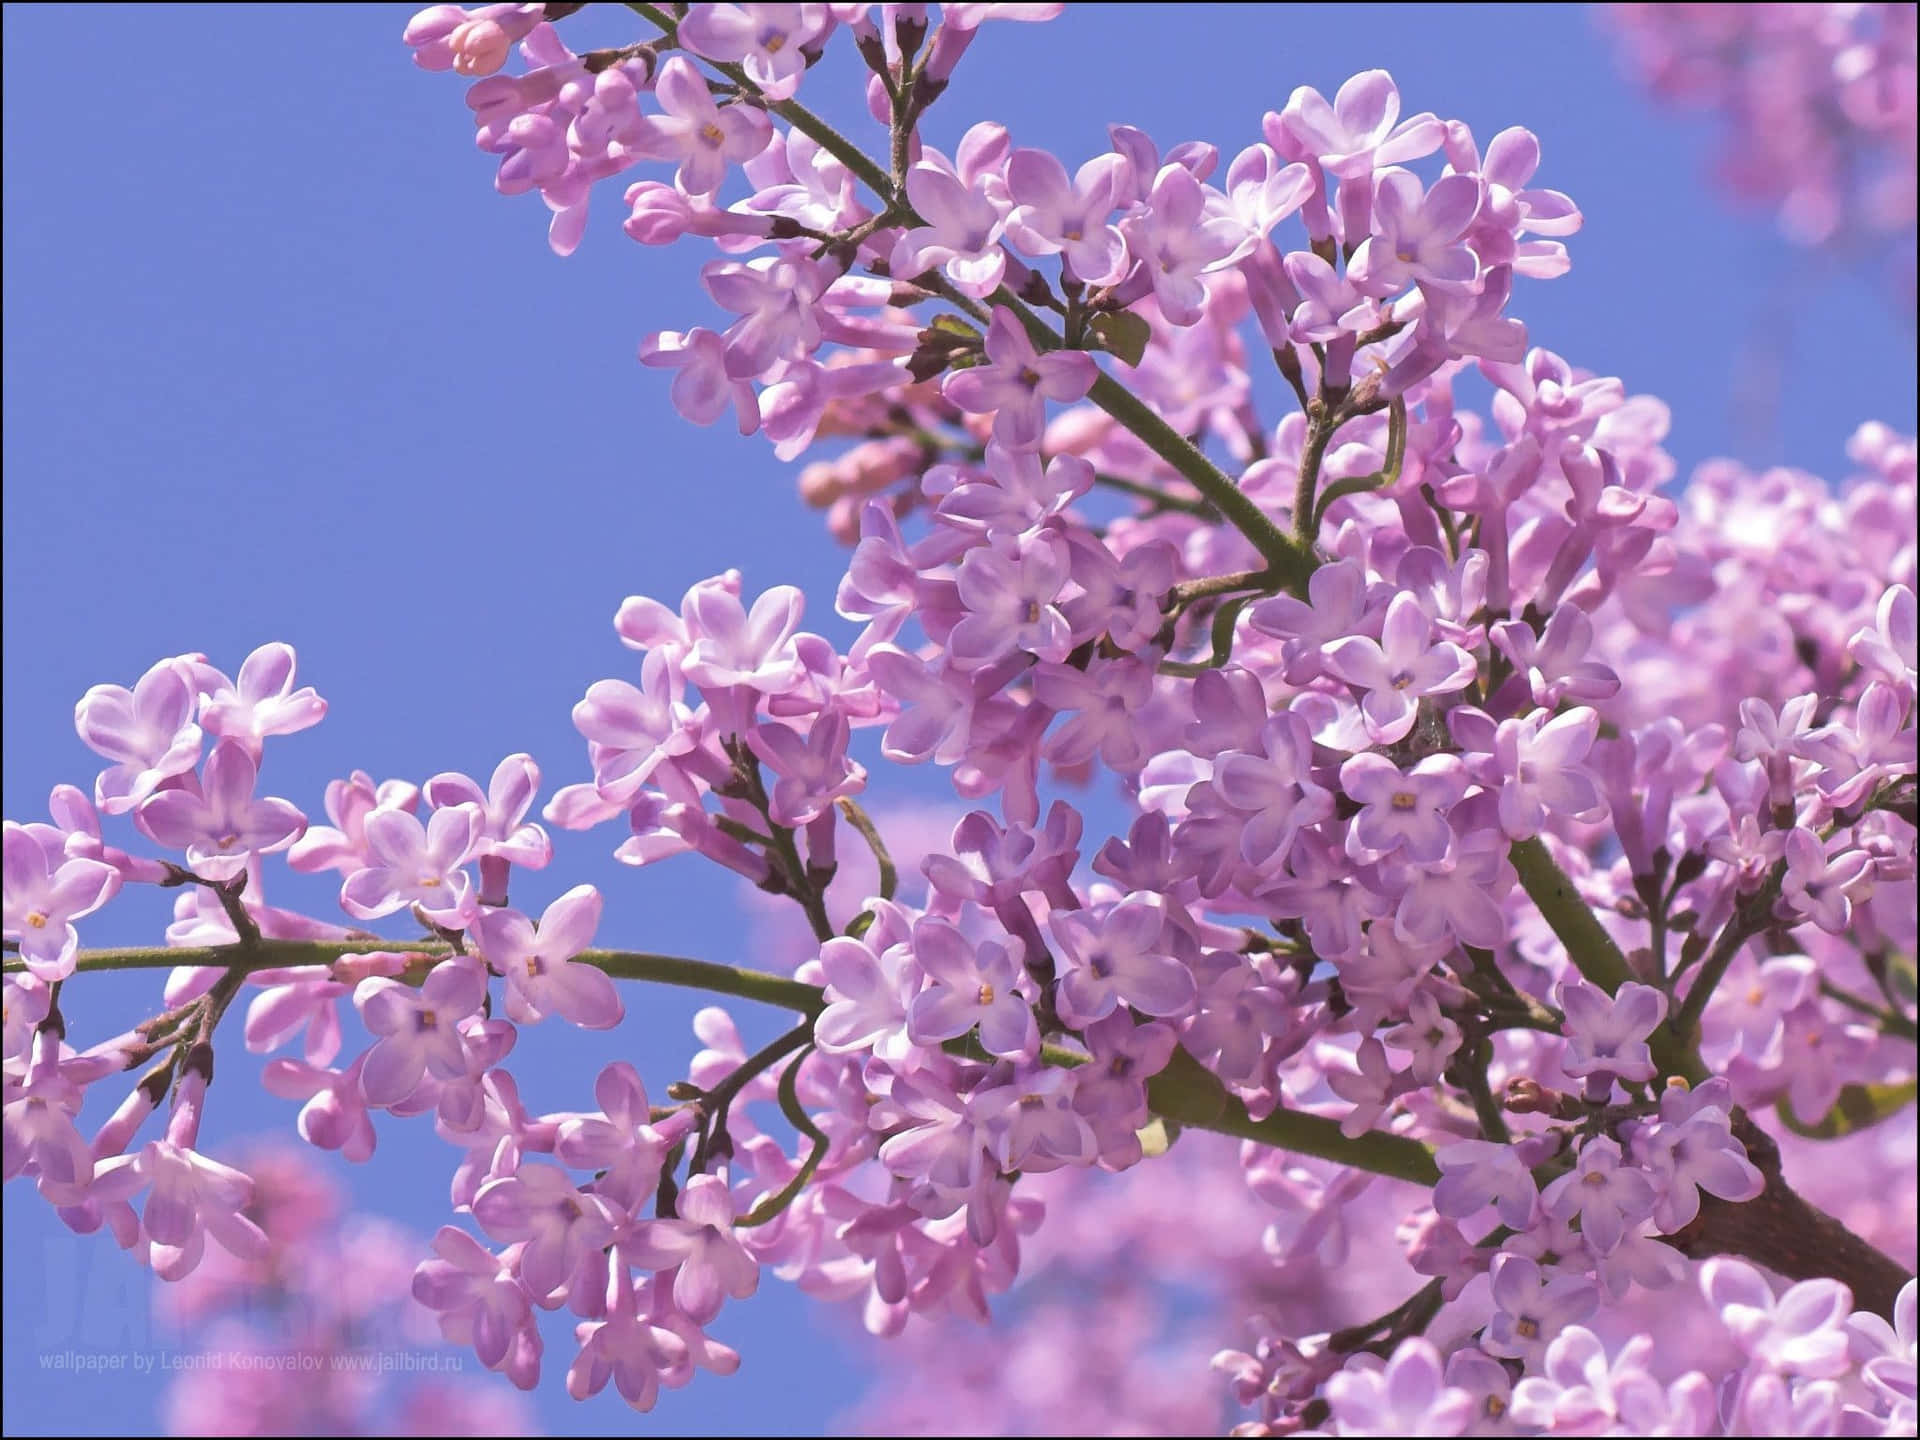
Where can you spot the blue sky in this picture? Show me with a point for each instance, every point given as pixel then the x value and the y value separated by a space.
pixel 279 364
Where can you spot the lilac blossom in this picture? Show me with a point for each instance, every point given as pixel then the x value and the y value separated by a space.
pixel 219 823
pixel 1359 131
pixel 1274 789
pixel 1606 1192
pixel 1539 763
pixel 703 387
pixel 1532 1308
pixel 1419 236
pixel 1399 668
pixel 1017 381
pixel 1177 245
pixel 866 994
pixel 701 1243
pixel 1370 1088
pixel 1554 662
pixel 1800 1332
pixel 542 976
pixel 1821 882
pixel 1607 1034
pixel 263 702
pixel 814 770
pixel 45 894
pixel 1403 811
pixel 561 1227
pixel 1056 215
pixel 148 731
pixel 1119 957
pixel 411 863
pixel 961 236
pixel 702 136
pixel 1010 592
pixel 1406 1396
pixel 1476 1173
pixel 479 1299
pixel 419 1030
pixel 768 42
pixel 970 985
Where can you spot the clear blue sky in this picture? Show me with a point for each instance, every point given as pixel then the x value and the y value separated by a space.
pixel 279 364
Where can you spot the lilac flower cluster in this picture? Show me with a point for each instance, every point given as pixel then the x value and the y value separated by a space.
pixel 1499 824
pixel 1817 103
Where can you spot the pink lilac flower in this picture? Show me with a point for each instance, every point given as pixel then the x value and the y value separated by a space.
pixel 961 236
pixel 1800 1332
pixel 561 1227
pixel 814 771
pixel 768 42
pixel 1370 1088
pixel 1053 214
pixel 542 976
pixel 1017 382
pixel 1117 957
pixel 621 1144
pixel 1608 1195
pixel 702 136
pixel 219 823
pixel 1554 662
pixel 702 386
pixel 1403 811
pixel 1418 236
pixel 629 1347
pixel 1818 885
pixel 1532 1308
pixel 1476 1173
pixel 149 731
pixel 1539 763
pixel 777 298
pixel 737 647
pixel 263 702
pixel 1359 131
pixel 343 845
pixel 334 1115
pixel 1692 1148
pixel 479 1300
pixel 1010 591
pixel 1275 790
pixel 1399 668
pixel 1581 1393
pixel 411 863
pixel 866 995
pixel 1607 1035
pixel 419 1029
pixel 701 1243
pixel 1429 1035
pixel 1891 645
pixel 44 895
pixel 1102 704
pixel 1177 244
pixel 189 1197
pixel 971 985
pixel 1407 1396
pixel 39 1125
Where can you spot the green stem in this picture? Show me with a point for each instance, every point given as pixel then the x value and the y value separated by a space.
pixel 1591 948
pixel 863 823
pixel 1185 1091
pixel 620 964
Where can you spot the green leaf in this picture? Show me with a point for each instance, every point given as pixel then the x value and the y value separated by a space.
pixel 954 325
pixel 1858 1107
pixel 1123 333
